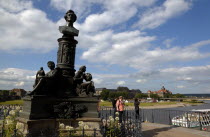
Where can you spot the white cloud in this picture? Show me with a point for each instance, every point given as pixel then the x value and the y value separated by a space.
pixel 184 78
pixel 16 78
pixel 97 81
pixel 180 86
pixel 168 42
pixel 141 80
pixel 29 28
pixel 19 84
pixel 158 15
pixel 120 83
pixel 15 5
pixel 112 12
pixel 114 48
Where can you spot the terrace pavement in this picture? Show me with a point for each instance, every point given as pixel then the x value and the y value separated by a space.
pixel 160 130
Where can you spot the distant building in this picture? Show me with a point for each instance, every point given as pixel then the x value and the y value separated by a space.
pixel 18 92
pixel 161 93
pixel 99 90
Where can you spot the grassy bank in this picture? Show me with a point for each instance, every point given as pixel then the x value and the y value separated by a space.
pixel 12 102
pixel 109 104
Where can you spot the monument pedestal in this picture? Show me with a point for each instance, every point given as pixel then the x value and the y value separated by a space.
pixel 37 107
pixel 43 114
pixel 50 127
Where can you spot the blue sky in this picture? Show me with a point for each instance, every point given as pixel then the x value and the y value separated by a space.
pixel 139 44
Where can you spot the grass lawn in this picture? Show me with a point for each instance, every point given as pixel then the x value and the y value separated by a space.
pixel 109 104
pixel 13 102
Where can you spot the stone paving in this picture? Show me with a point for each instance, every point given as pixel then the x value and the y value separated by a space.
pixel 160 130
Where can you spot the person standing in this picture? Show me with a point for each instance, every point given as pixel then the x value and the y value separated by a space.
pixel 114 101
pixel 136 105
pixel 120 107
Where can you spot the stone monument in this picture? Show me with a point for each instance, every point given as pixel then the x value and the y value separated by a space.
pixel 60 95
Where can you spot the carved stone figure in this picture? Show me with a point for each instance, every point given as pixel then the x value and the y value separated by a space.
pixel 47 83
pixel 39 74
pixel 67 110
pixel 84 88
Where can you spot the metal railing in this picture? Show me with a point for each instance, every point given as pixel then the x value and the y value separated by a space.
pixel 129 127
pixel 190 119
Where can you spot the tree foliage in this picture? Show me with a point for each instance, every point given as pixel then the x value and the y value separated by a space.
pixel 105 94
pixel 141 95
pixel 155 96
pixel 123 89
pixel 178 95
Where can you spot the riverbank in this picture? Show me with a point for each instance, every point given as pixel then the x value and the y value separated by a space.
pixel 149 105
pixel 170 106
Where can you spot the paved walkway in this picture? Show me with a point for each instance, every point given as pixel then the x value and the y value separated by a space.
pixel 159 130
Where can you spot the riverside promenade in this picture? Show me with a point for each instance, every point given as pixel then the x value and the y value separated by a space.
pixel 160 130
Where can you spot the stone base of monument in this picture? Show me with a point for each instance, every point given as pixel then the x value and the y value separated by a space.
pixel 43 114
pixel 37 107
pixel 56 127
pixel 45 107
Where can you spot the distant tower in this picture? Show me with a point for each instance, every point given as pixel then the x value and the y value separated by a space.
pixel 163 88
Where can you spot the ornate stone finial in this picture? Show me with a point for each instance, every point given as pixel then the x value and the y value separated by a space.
pixel 68 29
pixel 70 18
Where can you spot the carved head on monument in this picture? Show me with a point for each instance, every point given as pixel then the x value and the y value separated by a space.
pixel 82 68
pixel 88 77
pixel 51 65
pixel 70 17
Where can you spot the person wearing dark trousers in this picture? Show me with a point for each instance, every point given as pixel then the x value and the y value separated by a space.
pixel 120 107
pixel 114 101
pixel 136 105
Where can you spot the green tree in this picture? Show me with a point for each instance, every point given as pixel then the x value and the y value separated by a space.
pixel 123 89
pixel 112 95
pixel 12 93
pixel 155 96
pixel 178 95
pixel 168 95
pixel 105 94
pixel 141 95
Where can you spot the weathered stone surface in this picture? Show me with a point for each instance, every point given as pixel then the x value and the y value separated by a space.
pixel 37 107
pixel 49 127
pixel 69 30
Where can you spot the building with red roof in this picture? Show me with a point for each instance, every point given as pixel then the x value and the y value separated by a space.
pixel 161 93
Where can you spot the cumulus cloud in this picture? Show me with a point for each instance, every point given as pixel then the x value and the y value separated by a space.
pixel 16 78
pixel 180 86
pixel 158 15
pixel 111 48
pixel 97 81
pixel 112 12
pixel 15 5
pixel 19 84
pixel 168 42
pixel 120 83
pixel 29 28
pixel 141 80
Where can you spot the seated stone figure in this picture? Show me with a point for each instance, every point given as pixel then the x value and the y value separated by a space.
pixel 47 84
pixel 84 88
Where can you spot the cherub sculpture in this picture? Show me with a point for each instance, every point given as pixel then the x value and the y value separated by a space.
pixel 84 88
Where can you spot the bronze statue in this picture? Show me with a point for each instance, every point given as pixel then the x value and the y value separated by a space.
pixel 84 88
pixel 39 74
pixel 47 83
pixel 70 18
